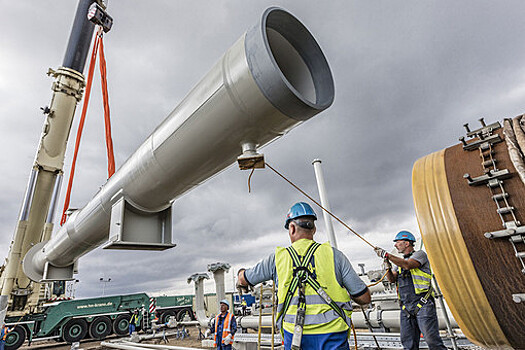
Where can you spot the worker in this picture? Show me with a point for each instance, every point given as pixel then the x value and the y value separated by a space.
pixel 413 276
pixel 305 263
pixel 3 335
pixel 225 327
pixel 133 321
pixel 244 306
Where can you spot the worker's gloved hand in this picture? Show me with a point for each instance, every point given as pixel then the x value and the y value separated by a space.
pixel 228 340
pixel 242 288
pixel 381 252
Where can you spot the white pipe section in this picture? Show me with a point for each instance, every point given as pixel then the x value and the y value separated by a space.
pixel 390 319
pixel 156 346
pixel 324 202
pixel 253 321
pixel 271 80
pixel 218 276
pixel 121 346
pixel 200 313
pixel 138 346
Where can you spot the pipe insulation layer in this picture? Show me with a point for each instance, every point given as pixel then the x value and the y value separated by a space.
pixel 272 79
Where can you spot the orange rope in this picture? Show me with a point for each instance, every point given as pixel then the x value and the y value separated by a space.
pixel 355 335
pixel 80 129
pixel 377 282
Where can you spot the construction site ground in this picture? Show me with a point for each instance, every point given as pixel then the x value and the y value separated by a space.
pixel 191 342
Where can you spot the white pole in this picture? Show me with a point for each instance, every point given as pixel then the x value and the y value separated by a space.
pixel 324 202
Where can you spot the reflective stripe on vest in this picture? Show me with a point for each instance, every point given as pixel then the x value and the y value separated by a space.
pixel 4 332
pixel 320 317
pixel 421 280
pixel 226 328
pixel 134 319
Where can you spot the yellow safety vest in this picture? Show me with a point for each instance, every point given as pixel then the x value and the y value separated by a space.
pixel 134 319
pixel 320 317
pixel 421 280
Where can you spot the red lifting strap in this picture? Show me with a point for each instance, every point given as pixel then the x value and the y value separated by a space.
pixel 109 143
pixel 104 83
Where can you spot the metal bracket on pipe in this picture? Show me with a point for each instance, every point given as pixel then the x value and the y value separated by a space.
pixel 509 232
pixel 490 176
pixel 53 273
pixel 250 159
pixel 380 321
pixel 134 229
pixel 492 139
pixel 484 135
pixel 518 298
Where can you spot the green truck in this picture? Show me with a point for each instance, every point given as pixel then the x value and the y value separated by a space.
pixel 95 318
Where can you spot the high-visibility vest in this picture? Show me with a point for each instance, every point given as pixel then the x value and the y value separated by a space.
pixel 421 280
pixel 226 328
pixel 134 319
pixel 320 317
pixel 4 332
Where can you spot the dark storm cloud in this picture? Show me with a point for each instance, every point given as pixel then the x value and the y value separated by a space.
pixel 408 75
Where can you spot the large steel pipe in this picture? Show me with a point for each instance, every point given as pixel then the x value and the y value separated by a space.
pixel 272 79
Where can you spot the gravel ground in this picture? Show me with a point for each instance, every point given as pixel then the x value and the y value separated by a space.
pixel 191 342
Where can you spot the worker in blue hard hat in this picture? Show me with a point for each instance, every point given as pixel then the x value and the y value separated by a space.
pixel 413 276
pixel 225 327
pixel 316 286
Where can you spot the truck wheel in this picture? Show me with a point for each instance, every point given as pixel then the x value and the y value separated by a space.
pixel 181 314
pixel 121 325
pixel 166 315
pixel 100 328
pixel 74 330
pixel 15 338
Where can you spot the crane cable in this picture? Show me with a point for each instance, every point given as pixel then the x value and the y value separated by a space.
pixel 109 142
pixel 323 208
pixel 320 206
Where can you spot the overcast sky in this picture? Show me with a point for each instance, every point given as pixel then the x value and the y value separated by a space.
pixel 408 74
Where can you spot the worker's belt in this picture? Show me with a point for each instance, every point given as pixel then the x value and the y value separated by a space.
pixel 302 275
pixel 419 305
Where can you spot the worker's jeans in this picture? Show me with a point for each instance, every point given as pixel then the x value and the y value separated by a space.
pixel 425 322
pixel 329 341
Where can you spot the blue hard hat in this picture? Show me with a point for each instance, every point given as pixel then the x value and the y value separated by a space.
pixel 299 210
pixel 226 302
pixel 404 236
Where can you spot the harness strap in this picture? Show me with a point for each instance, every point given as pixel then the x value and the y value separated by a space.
pixel 419 305
pixel 299 275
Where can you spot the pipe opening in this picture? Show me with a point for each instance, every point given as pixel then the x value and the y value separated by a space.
pixel 298 57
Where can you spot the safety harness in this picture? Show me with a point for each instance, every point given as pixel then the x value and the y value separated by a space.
pixel 301 277
pixel 422 301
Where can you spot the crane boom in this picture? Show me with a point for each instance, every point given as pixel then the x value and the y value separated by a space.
pixel 35 222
